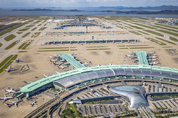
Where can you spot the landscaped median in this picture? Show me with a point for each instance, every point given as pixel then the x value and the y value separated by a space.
pixel 25 34
pixel 10 37
pixel 155 33
pixel 11 45
pixel 173 39
pixel 25 45
pixel 6 62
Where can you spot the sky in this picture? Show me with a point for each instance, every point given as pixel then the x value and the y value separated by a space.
pixel 84 3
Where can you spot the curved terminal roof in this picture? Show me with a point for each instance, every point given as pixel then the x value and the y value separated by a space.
pixel 79 75
pixel 134 93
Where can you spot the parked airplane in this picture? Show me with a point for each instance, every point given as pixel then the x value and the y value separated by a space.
pixel 151 60
pixel 54 61
pixel 129 56
pixel 58 63
pixel 10 69
pixel 85 64
pixel 45 75
pixel 6 98
pixel 9 91
pixel 55 56
pixel 33 103
pixel 155 63
pixel 13 103
pixel 153 57
pixel 151 52
pixel 17 60
pixel 63 67
pixel 27 82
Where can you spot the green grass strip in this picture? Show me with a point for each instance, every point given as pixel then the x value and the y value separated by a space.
pixel 167 32
pixel 55 48
pixel 166 41
pixel 121 46
pixel 22 51
pixel 11 45
pixel 167 47
pixel 21 45
pixel 25 34
pixel 73 49
pixel 34 29
pixel 155 33
pixel 163 28
pixel 5 60
pixel 134 32
pixel 0 44
pixel 135 27
pixel 51 50
pixel 100 49
pixel 8 63
pixel 145 26
pixel 135 45
pixel 30 25
pixel 169 26
pixel 143 32
pixel 26 45
pixel 10 37
pixel 173 39
pixel 19 32
pixel 156 41
pixel 25 29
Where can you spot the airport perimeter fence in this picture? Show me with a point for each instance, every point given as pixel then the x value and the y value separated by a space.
pixel 31 114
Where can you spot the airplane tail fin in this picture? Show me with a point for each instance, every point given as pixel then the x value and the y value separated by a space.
pixel 5 90
pixel 7 104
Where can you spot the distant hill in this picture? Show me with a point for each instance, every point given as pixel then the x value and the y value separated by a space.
pixel 163 7
pixel 145 12
pixel 38 9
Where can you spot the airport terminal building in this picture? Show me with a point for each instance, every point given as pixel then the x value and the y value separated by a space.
pixel 92 75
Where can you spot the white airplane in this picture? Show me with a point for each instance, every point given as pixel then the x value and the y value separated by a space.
pixel 10 69
pixel 58 63
pixel 13 103
pixel 110 64
pixel 6 98
pixel 85 64
pixel 151 60
pixel 63 67
pixel 155 63
pixel 33 103
pixel 45 75
pixel 153 57
pixel 54 61
pixel 9 91
pixel 17 60
pixel 27 82
pixel 129 56
pixel 151 52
